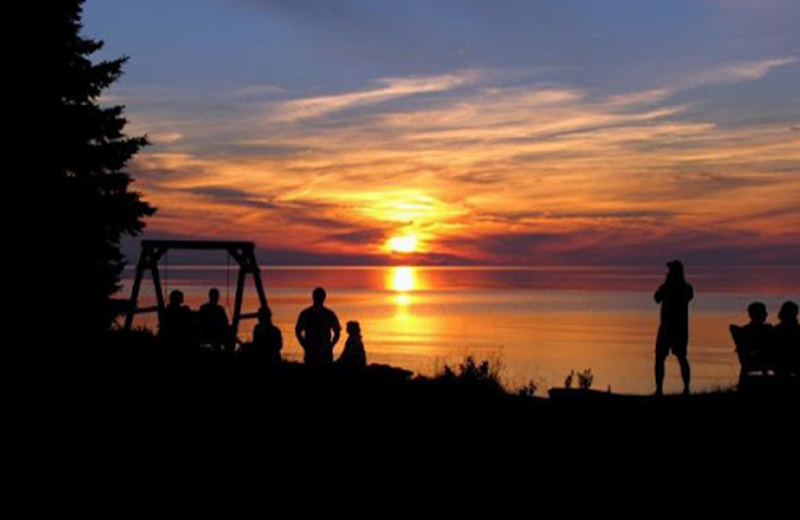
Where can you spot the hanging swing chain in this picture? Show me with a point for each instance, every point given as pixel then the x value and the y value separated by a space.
pixel 166 273
pixel 228 286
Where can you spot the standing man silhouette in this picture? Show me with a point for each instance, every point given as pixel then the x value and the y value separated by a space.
pixel 314 328
pixel 674 296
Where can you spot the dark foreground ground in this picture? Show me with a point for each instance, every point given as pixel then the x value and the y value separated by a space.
pixel 125 422
pixel 131 379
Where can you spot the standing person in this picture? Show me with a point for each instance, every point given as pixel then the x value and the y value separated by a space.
pixel 314 328
pixel 354 353
pixel 214 322
pixel 674 296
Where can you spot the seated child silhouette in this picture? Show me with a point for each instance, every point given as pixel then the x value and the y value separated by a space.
pixel 354 353
pixel 267 339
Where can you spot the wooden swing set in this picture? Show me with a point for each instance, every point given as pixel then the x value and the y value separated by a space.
pixel 154 250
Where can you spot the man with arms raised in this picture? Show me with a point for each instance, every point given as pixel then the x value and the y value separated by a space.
pixel 674 296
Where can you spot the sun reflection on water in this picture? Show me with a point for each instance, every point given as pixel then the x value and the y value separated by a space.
pixel 403 279
pixel 402 300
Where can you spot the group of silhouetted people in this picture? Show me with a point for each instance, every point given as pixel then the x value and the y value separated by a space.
pixel 186 330
pixel 760 346
pixel 775 348
pixel 317 330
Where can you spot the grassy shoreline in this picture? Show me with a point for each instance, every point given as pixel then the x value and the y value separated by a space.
pixel 135 369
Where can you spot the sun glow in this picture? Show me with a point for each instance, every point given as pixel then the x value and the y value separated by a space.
pixel 403 301
pixel 403 279
pixel 403 244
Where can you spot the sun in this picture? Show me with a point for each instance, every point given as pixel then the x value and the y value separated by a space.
pixel 403 244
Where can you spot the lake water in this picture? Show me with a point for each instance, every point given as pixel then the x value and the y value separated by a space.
pixel 540 323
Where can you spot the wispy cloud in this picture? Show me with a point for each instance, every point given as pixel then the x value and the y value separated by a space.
pixel 386 90
pixel 645 97
pixel 251 91
pixel 487 172
pixel 739 72
pixel 165 137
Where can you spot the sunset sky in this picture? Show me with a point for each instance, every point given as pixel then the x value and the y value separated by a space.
pixel 507 132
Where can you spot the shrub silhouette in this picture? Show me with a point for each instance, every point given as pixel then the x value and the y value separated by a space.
pixel 585 379
pixel 569 379
pixel 474 375
pixel 528 390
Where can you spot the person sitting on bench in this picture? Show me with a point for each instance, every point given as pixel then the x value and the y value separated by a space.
pixel 787 340
pixel 755 341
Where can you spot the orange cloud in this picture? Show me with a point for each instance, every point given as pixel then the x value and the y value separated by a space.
pixel 482 174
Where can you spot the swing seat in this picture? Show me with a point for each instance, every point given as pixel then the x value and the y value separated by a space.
pixel 154 250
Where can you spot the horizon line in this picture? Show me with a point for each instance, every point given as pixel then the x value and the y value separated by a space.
pixel 521 267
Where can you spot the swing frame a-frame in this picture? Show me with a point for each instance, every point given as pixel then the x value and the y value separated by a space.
pixel 154 250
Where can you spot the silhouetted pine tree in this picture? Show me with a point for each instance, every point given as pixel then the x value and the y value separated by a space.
pixel 79 160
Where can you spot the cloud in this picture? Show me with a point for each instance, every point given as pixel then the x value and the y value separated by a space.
pixel 616 247
pixel 360 237
pixel 503 172
pixel 387 89
pixel 220 193
pixel 165 138
pixel 233 197
pixel 645 97
pixel 721 75
pixel 256 91
pixel 740 72
pixel 165 169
